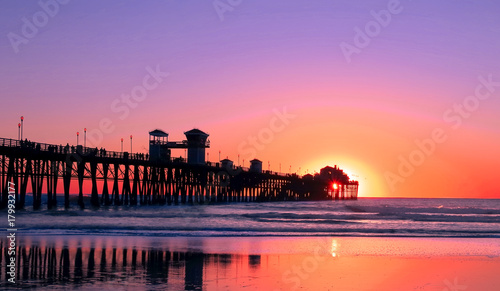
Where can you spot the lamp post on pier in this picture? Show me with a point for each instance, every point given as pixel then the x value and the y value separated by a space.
pixel 130 144
pixel 77 136
pixel 19 131
pixel 22 126
pixel 85 137
pixel 122 144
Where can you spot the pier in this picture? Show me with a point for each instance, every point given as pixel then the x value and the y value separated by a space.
pixel 123 178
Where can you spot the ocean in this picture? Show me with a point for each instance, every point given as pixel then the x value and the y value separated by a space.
pixel 322 245
pixel 366 217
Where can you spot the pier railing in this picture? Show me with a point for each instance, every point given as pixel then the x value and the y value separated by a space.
pixel 8 142
pixel 103 153
pixel 67 149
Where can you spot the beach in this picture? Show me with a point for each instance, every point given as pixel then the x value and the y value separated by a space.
pixel 257 263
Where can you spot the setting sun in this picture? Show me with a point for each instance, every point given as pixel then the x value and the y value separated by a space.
pixel 371 183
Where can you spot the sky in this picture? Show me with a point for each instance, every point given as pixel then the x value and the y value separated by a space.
pixel 402 95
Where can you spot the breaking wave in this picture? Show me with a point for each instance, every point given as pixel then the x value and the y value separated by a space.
pixel 364 217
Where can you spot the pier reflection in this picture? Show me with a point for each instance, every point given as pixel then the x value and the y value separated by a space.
pixel 75 265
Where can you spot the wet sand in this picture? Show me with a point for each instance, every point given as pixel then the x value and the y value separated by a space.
pixel 257 263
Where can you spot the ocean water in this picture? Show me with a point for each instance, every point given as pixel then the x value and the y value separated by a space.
pixel 259 246
pixel 366 217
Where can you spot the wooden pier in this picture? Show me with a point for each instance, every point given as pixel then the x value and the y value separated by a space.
pixel 122 178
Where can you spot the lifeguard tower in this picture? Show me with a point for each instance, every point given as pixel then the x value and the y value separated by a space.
pixel 256 166
pixel 226 164
pixel 158 146
pixel 197 141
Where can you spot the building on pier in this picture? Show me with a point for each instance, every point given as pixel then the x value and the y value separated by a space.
pixel 256 166
pixel 226 164
pixel 197 141
pixel 338 184
pixel 158 146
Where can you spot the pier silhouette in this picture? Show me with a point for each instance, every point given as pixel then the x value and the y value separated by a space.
pixel 123 178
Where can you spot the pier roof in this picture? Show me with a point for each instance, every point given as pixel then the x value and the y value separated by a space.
pixel 158 132
pixel 195 131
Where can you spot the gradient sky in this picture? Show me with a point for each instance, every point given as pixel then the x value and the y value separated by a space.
pixel 228 76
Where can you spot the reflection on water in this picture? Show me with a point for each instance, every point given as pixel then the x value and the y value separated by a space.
pixel 334 248
pixel 60 265
pixel 224 263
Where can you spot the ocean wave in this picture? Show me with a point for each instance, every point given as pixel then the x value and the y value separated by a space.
pixel 216 232
pixel 370 217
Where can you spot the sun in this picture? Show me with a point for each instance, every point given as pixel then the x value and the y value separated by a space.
pixel 371 184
